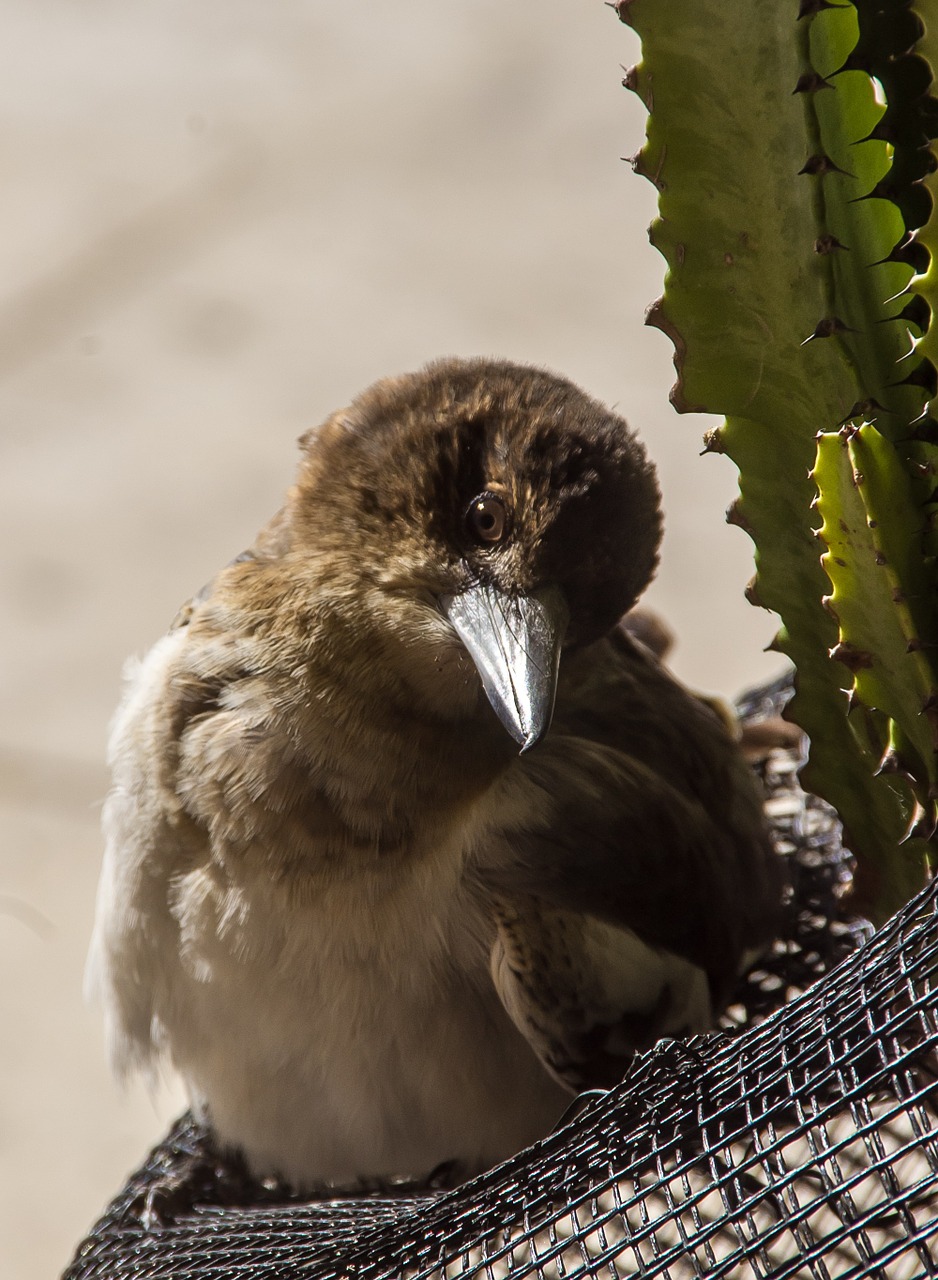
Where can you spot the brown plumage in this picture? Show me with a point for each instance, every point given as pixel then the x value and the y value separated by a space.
pixel 369 933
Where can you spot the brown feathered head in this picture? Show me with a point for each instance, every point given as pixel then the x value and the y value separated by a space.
pixel 525 511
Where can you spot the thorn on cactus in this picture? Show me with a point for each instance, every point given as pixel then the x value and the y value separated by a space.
pixel 713 442
pixel 882 131
pixel 858 60
pixel 885 189
pixel 867 409
pixel 891 762
pixel 853 659
pixel 925 429
pixel 808 8
pixel 925 820
pixel 916 311
pixel 734 515
pixel 828 328
pixel 811 82
pixel 908 252
pixel 639 165
pixel 820 164
pixel 827 244
pixel 924 375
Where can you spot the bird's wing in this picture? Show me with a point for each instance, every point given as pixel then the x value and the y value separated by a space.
pixel 632 872
pixel 149 840
pixel 192 754
pixel 587 994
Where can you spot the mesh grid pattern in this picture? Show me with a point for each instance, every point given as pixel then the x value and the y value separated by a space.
pixel 805 1145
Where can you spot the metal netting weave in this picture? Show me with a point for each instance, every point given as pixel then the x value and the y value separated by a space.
pixel 805 1145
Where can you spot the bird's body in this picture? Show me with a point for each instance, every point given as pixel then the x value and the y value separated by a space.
pixel 371 936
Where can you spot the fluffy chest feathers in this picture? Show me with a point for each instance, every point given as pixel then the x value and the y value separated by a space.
pixel 302 938
pixel 351 727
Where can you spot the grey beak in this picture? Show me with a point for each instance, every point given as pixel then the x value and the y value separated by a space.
pixel 514 641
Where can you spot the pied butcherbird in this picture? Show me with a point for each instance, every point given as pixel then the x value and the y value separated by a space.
pixel 407 839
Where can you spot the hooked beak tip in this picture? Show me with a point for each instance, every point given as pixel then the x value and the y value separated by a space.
pixel 514 641
pixel 531 739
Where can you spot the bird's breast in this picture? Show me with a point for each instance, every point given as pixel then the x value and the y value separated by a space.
pixel 369 1036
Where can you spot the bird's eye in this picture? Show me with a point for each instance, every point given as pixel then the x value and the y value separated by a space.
pixel 487 518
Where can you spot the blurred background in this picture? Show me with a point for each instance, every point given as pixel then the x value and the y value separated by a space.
pixel 223 219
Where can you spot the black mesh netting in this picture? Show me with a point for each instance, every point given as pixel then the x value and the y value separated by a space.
pixel 801 1144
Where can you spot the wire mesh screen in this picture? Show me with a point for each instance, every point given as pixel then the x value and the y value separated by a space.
pixel 797 1143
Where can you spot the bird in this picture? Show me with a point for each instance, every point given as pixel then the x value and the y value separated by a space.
pixel 408 839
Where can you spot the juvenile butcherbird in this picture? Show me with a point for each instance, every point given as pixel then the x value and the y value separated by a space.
pixel 407 839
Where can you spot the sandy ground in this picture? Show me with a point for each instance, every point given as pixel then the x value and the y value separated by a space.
pixel 221 220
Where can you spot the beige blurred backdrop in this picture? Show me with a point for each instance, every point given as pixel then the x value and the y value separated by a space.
pixel 221 219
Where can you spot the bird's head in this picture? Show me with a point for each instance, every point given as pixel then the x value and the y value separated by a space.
pixel 499 497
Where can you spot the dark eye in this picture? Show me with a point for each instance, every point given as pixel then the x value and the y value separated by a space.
pixel 487 518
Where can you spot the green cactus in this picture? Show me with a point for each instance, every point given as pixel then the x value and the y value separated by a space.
pixel 790 151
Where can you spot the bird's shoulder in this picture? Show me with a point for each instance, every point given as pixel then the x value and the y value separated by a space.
pixel 618 695
pixel 640 811
pixel 201 747
pixel 269 547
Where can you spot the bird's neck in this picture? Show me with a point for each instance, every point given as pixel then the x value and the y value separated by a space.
pixel 395 718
